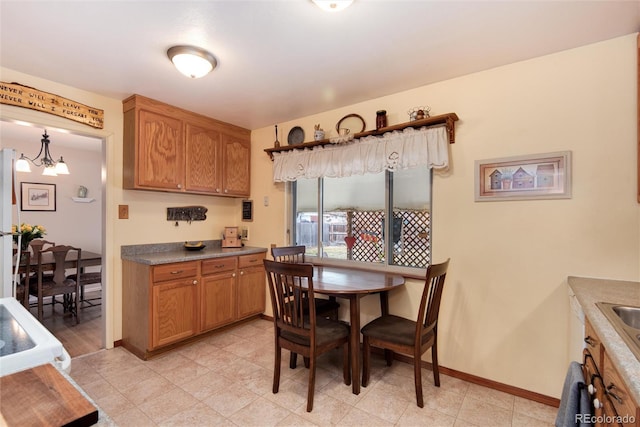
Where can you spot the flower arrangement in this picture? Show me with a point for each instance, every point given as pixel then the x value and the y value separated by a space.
pixel 28 232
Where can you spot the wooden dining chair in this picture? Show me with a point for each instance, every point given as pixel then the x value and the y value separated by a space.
pixel 38 245
pixel 410 337
pixel 295 254
pixel 22 284
pixel 324 307
pixel 57 283
pixel 88 278
pixel 297 331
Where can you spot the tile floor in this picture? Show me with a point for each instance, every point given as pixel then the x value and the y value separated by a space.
pixel 226 380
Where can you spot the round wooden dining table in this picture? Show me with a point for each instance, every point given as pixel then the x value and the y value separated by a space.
pixel 352 284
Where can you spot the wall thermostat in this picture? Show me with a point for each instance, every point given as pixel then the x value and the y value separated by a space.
pixel 247 210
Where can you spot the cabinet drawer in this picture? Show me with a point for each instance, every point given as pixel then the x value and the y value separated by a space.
pixel 178 270
pixel 216 265
pixel 617 390
pixel 250 260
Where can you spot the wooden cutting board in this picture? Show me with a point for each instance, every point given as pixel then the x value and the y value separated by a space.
pixel 41 396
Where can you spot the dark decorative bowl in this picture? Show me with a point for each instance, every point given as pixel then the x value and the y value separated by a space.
pixel 194 247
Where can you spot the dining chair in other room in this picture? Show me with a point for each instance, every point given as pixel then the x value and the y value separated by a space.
pixel 38 245
pixel 296 326
pixel 22 292
pixel 57 283
pixel 410 337
pixel 88 278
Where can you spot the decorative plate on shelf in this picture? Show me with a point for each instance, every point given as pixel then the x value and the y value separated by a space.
pixel 296 136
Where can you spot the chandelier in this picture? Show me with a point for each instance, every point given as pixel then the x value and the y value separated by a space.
pixel 51 167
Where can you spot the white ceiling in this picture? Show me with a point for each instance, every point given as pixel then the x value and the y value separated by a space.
pixel 280 60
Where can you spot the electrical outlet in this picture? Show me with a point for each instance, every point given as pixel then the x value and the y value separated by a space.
pixel 244 233
pixel 123 211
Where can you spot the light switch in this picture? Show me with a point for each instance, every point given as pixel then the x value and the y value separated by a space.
pixel 266 200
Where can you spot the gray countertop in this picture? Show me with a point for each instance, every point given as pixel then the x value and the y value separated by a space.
pixel 589 291
pixel 165 253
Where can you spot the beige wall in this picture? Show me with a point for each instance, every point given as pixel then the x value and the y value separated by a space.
pixel 505 313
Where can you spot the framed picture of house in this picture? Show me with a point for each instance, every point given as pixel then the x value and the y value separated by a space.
pixel 535 176
pixel 37 197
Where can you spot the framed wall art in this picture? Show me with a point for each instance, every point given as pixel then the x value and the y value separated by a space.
pixel 37 197
pixel 535 176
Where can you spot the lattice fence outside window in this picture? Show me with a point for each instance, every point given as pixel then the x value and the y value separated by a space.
pixel 411 237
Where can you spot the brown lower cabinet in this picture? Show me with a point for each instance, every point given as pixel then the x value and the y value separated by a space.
pixel 166 304
pixel 614 405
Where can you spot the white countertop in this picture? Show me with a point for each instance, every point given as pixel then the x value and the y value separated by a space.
pixel 588 292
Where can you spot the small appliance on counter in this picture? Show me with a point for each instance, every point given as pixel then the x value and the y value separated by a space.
pixel 231 238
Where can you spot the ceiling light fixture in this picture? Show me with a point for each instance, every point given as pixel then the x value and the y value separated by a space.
pixel 51 167
pixel 333 5
pixel 192 61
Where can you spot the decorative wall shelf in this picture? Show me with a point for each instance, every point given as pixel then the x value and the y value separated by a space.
pixel 448 120
pixel 83 199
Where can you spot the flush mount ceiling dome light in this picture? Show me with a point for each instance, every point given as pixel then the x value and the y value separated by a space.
pixel 192 61
pixel 333 5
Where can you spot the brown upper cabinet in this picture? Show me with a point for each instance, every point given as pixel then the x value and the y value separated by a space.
pixel 170 149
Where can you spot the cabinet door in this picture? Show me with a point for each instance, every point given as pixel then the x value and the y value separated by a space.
pixel 236 157
pixel 160 148
pixel 173 311
pixel 203 159
pixel 618 392
pixel 217 300
pixel 251 291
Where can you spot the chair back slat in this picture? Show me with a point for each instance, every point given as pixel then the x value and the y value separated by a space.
pixel 291 254
pixel 431 297
pixel 288 284
pixel 59 254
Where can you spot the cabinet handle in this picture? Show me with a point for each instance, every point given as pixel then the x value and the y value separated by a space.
pixel 217 190
pixel 233 275
pixel 612 394
pixel 177 272
pixel 226 190
pixel 597 404
pixel 241 273
pixel 195 282
pixel 590 341
pixel 253 260
pixel 218 266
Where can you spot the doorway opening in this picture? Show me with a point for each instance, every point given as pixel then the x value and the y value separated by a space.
pixel 76 221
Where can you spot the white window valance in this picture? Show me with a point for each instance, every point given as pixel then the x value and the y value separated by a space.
pixel 392 151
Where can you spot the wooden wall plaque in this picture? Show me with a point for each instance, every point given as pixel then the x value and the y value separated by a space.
pixel 28 97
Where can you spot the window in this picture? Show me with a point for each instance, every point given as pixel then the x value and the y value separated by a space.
pixel 346 218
